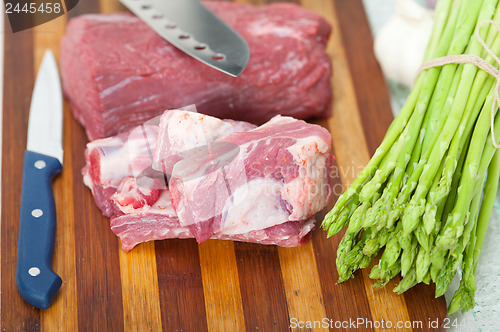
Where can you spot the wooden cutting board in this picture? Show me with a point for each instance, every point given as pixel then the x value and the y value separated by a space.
pixel 178 285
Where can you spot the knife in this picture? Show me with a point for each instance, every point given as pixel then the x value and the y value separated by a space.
pixel 36 281
pixel 191 27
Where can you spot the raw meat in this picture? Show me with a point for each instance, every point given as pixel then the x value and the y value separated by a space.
pixel 159 221
pixel 183 131
pixel 110 160
pixel 118 73
pixel 127 189
pixel 251 180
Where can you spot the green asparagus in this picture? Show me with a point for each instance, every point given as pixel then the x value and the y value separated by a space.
pixel 425 197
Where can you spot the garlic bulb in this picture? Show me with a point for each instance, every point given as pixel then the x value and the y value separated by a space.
pixel 400 44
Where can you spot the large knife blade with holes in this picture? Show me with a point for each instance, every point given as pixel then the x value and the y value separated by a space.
pixel 191 27
pixel 36 281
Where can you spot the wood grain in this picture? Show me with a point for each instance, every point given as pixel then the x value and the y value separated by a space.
pixel 221 286
pixel 376 118
pixel 345 122
pixel 18 63
pixel 351 154
pixel 262 289
pixel 302 283
pixel 138 274
pixel 99 289
pixel 179 285
pixel 100 304
pixel 46 37
pixel 367 78
pixel 351 16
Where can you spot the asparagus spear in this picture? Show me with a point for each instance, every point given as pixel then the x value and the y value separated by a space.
pixel 464 296
pixel 419 198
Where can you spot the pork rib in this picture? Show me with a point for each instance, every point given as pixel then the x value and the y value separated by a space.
pixel 140 208
pixel 253 180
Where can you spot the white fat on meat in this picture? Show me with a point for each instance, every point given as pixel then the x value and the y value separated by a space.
pixel 253 206
pixel 127 154
pixel 112 153
pixel 183 130
pixel 129 191
pixel 199 129
pixel 309 192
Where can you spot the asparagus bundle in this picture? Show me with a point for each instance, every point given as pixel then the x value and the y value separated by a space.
pixel 425 197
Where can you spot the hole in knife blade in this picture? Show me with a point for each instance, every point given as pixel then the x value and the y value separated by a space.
pixel 184 36
pixel 146 6
pixel 218 57
pixel 171 26
pixel 157 16
pixel 200 47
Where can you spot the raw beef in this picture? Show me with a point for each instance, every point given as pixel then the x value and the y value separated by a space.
pixel 159 221
pixel 118 73
pixel 111 160
pixel 251 180
pixel 183 131
pixel 127 189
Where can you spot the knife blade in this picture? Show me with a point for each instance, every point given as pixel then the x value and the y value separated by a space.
pixel 36 281
pixel 194 29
